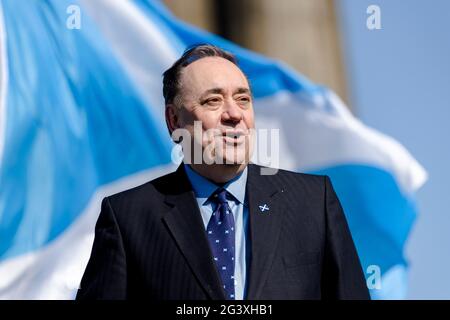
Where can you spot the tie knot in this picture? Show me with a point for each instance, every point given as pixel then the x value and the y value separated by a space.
pixel 220 196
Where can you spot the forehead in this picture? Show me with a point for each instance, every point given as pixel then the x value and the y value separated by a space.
pixel 212 72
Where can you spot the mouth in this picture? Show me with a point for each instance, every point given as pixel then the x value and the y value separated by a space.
pixel 234 137
pixel 234 133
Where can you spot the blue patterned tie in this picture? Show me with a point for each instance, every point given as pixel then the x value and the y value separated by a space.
pixel 220 232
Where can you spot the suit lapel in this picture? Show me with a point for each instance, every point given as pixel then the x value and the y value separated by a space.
pixel 186 226
pixel 265 227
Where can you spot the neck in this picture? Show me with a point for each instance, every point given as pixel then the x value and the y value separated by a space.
pixel 219 173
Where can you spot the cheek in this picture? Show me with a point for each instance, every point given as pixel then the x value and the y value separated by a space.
pixel 187 118
pixel 249 118
pixel 209 119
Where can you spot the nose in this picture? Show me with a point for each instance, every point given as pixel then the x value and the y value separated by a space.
pixel 232 112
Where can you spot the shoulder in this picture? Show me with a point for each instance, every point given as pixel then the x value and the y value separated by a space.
pixel 147 195
pixel 286 176
pixel 296 185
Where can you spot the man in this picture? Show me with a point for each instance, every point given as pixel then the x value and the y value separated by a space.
pixel 218 228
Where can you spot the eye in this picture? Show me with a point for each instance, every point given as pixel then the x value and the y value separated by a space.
pixel 213 101
pixel 243 99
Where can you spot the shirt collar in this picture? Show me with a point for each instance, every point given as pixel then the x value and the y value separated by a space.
pixel 203 188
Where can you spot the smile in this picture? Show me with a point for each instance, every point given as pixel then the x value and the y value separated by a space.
pixel 234 139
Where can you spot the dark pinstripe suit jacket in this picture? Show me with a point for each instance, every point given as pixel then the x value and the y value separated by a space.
pixel 150 243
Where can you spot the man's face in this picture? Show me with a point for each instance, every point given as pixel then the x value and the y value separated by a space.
pixel 214 91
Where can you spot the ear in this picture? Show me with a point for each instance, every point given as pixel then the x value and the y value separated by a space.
pixel 172 118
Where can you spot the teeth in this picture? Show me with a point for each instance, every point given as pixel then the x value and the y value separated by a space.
pixel 233 135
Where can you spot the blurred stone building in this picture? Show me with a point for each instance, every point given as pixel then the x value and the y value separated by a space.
pixel 302 33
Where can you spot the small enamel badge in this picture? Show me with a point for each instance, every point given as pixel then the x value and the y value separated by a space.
pixel 264 208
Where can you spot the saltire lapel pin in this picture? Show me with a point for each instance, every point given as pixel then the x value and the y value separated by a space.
pixel 264 207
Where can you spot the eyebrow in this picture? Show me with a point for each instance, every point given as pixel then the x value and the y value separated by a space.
pixel 221 91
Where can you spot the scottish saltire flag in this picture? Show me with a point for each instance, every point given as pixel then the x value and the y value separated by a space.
pixel 82 117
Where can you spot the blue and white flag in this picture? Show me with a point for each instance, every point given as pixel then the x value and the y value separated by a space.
pixel 82 117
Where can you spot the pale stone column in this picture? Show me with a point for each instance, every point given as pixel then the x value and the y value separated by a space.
pixel 302 33
pixel 197 12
